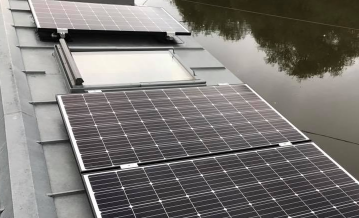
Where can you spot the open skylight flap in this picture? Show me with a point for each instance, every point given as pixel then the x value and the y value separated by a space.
pixel 54 15
pixel 118 128
pixel 289 181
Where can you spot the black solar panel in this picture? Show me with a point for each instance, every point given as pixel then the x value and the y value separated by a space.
pixel 289 181
pixel 88 16
pixel 112 129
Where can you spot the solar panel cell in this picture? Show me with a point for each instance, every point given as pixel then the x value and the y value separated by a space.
pixel 236 185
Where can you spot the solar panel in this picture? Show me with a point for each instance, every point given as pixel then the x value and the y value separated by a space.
pixel 289 181
pixel 89 16
pixel 113 129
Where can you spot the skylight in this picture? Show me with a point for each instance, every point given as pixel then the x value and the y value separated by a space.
pixel 119 67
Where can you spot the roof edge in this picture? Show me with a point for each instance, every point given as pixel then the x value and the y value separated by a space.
pixel 29 181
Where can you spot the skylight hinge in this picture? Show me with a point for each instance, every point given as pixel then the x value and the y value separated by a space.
pixel 62 32
pixel 127 166
pixel 94 91
pixel 285 144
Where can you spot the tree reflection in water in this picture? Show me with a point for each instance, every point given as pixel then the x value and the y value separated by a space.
pixel 300 49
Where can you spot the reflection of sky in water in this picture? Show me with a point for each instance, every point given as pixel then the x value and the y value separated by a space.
pixel 326 103
pixel 246 59
pixel 297 48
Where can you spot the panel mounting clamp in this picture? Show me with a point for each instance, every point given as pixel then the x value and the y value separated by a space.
pixel 126 166
pixel 62 32
pixel 170 35
pixel 285 144
pixel 94 91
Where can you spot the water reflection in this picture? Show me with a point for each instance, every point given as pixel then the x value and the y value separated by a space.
pixel 298 48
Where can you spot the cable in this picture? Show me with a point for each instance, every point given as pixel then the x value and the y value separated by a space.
pixel 271 15
pixel 338 139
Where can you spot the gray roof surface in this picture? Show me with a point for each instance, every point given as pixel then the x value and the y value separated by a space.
pixel 38 172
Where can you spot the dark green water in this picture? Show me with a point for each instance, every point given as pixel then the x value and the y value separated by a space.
pixel 307 71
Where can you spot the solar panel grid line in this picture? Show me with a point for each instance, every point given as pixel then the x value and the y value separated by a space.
pixel 179 129
pixel 193 117
pixel 162 19
pixel 146 128
pixel 285 184
pixel 66 15
pixel 214 195
pixel 175 94
pixel 235 183
pixel 264 202
pixel 71 134
pixel 282 201
pixel 277 111
pixel 140 22
pixel 98 132
pixel 82 18
pixel 125 194
pixel 342 168
pixel 118 150
pixel 209 100
pixel 92 198
pixel 96 17
pixel 269 195
pixel 156 194
pixel 170 128
pixel 121 128
pixel 308 182
pixel 256 202
pixel 328 188
pixel 215 129
pixel 320 213
pixel 263 118
pixel 269 180
pixel 123 17
pixel 118 121
pixel 227 190
pixel 334 182
pixel 177 104
pixel 244 118
pixel 193 128
pixel 185 193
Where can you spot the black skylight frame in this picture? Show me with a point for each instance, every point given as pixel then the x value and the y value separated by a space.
pixel 75 81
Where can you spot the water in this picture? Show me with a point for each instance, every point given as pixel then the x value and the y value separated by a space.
pixel 308 72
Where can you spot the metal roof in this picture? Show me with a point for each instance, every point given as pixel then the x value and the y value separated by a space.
pixel 38 173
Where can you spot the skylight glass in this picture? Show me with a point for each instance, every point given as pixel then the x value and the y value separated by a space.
pixel 117 67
